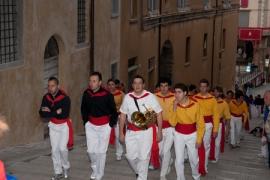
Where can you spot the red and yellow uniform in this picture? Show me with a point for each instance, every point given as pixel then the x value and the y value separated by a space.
pixel 165 145
pixel 114 136
pixel 165 103
pixel 217 144
pixel 208 106
pixel 118 98
pixel 239 115
pixel 189 129
pixel 239 109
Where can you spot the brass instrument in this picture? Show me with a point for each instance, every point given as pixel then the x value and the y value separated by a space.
pixel 144 120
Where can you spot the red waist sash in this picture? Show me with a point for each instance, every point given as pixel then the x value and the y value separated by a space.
pixel 208 119
pixel 99 121
pixel 165 124
pixel 70 130
pixel 236 115
pixel 154 159
pixel 185 128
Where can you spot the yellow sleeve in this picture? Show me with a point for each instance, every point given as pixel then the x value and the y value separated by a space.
pixel 216 118
pixel 227 114
pixel 172 116
pixel 200 125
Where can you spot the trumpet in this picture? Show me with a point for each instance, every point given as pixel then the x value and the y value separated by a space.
pixel 144 120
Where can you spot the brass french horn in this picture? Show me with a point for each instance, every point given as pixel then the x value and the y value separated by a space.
pixel 144 120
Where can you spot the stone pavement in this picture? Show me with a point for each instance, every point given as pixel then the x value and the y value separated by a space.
pixel 33 162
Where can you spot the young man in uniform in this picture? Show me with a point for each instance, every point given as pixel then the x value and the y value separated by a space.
pixel 189 125
pixel 118 98
pixel 56 106
pixel 99 115
pixel 208 105
pixel 239 115
pixel 217 146
pixel 139 142
pixel 165 99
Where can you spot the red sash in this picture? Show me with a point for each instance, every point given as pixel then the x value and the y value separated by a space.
pixel 222 143
pixel 208 119
pixel 236 115
pixel 185 128
pixel 70 130
pixel 165 124
pixel 154 159
pixel 213 142
pixel 201 153
pixel 99 121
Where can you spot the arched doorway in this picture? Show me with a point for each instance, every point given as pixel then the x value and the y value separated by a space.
pixel 166 60
pixel 50 69
pixel 50 61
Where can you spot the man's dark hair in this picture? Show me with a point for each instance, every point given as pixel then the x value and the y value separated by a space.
pixel 54 79
pixel 117 82
pixel 238 94
pixel 205 81
pixel 181 86
pixel 219 89
pixel 98 74
pixel 192 87
pixel 110 80
pixel 138 77
pixel 230 92
pixel 165 80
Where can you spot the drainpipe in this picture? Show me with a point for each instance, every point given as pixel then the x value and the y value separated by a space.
pixel 92 35
pixel 159 37
pixel 213 44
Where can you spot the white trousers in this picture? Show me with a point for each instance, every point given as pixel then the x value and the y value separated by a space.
pixel 236 127
pixel 138 147
pixel 165 147
pixel 119 146
pixel 180 142
pixel 97 144
pixel 218 142
pixel 59 138
pixel 207 142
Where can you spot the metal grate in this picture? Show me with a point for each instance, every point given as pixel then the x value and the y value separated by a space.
pixel 8 31
pixel 81 21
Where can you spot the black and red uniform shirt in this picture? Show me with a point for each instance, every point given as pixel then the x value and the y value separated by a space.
pixel 98 104
pixel 59 101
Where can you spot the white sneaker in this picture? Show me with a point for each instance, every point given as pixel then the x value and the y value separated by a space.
pixel 93 176
pixel 213 161
pixel 57 177
pixel 118 158
pixel 66 173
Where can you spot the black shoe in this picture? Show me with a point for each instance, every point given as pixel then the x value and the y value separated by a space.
pixel 137 175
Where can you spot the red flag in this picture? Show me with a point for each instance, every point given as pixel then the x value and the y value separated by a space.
pixel 250 34
pixel 244 3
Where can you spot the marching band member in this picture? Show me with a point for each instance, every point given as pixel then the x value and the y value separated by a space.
pixel 141 141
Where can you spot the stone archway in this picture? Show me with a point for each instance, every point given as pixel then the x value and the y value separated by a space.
pixel 166 61
pixel 50 68
pixel 51 63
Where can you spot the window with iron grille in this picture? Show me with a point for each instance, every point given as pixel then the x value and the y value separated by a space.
pixel 81 22
pixel 8 31
pixel 182 4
